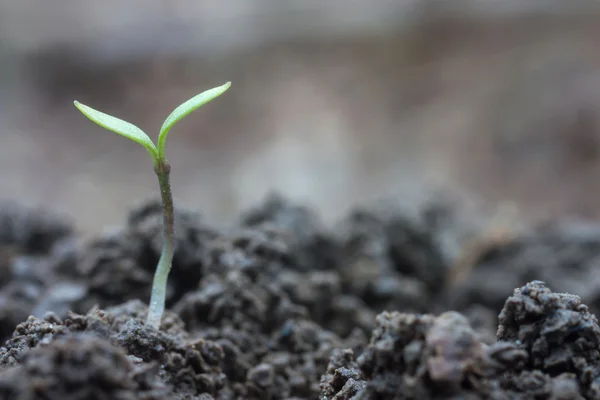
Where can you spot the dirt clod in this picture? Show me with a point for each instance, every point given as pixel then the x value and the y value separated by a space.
pixel 78 367
pixel 547 348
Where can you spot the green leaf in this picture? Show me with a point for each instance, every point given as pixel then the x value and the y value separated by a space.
pixel 119 126
pixel 180 112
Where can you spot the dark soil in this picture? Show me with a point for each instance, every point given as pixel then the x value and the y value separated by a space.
pixel 282 307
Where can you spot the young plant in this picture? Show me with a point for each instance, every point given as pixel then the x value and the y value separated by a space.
pixel 162 170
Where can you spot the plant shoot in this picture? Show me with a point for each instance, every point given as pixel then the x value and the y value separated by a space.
pixel 162 170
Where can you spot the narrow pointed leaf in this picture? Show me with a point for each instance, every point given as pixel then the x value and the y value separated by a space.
pixel 186 108
pixel 119 126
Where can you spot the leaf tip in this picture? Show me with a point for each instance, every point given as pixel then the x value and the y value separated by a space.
pixel 78 105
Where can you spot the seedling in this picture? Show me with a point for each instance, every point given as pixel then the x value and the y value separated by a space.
pixel 162 170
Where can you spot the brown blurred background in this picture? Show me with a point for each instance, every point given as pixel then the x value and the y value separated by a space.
pixel 333 103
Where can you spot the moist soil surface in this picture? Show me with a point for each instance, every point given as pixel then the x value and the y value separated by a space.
pixel 381 305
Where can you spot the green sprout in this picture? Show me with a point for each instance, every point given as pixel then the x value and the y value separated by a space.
pixel 162 169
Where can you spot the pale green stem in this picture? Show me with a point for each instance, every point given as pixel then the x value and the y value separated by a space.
pixel 159 285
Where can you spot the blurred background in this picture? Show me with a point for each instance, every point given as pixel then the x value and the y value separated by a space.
pixel 334 103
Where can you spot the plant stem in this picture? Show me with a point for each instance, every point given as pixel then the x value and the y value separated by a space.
pixel 159 285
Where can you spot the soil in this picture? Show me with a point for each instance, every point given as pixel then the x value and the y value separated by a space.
pixel 282 307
